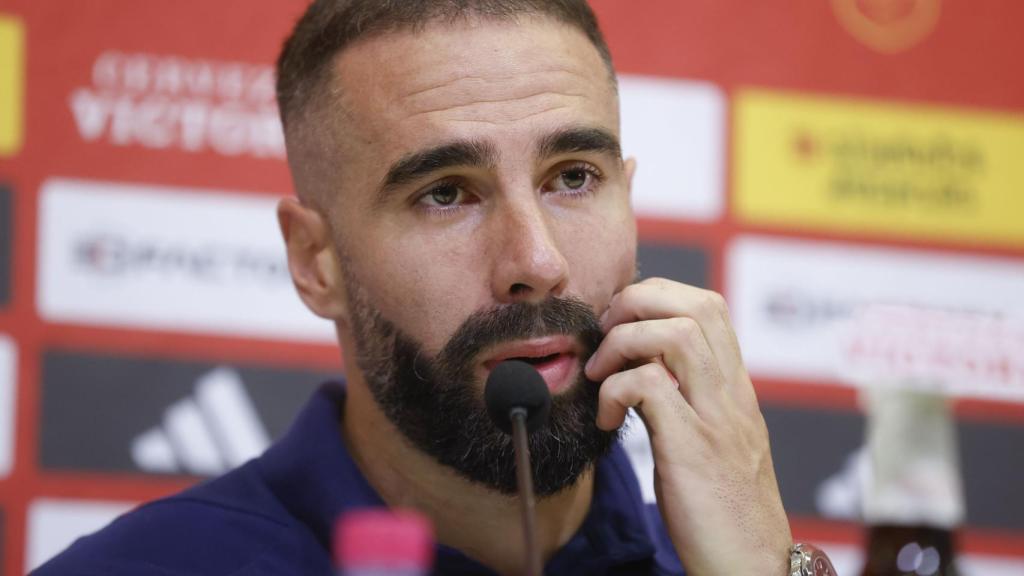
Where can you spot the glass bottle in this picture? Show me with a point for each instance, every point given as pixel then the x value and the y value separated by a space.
pixel 914 499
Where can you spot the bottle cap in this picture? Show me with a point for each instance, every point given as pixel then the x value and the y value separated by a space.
pixel 383 538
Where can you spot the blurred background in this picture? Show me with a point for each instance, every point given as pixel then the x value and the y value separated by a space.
pixel 849 173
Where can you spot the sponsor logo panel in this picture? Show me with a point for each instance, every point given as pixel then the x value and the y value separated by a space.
pixel 796 304
pixel 830 163
pixel 12 85
pixel 167 258
pixel 674 127
pixel 54 524
pixel 119 414
pixel 161 102
pixel 6 243
pixel 686 264
pixel 8 385
pixel 831 484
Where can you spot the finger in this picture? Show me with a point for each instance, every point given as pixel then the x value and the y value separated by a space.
pixel 657 298
pixel 652 391
pixel 678 342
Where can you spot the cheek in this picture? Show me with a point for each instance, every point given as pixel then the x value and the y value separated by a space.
pixel 603 259
pixel 417 288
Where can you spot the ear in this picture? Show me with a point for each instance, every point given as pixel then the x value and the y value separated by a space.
pixel 630 168
pixel 312 261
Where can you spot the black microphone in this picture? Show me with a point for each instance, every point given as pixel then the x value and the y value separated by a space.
pixel 519 402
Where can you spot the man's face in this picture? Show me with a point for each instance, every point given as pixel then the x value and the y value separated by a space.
pixel 479 178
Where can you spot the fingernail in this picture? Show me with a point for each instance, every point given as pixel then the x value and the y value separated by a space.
pixel 590 362
pixel 603 317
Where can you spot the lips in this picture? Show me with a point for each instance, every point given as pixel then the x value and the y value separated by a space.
pixel 554 357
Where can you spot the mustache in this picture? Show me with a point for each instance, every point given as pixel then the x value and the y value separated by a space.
pixel 519 321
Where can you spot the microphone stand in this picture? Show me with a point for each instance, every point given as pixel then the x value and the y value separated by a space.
pixel 524 477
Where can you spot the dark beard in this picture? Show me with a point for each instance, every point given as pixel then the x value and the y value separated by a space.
pixel 438 406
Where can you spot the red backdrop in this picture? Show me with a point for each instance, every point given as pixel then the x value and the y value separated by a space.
pixel 171 102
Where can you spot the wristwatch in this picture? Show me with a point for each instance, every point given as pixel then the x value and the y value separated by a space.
pixel 806 560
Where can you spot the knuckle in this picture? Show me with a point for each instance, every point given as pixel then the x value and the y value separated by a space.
pixel 654 377
pixel 611 391
pixel 713 302
pixel 629 295
pixel 618 332
pixel 650 373
pixel 612 383
pixel 685 328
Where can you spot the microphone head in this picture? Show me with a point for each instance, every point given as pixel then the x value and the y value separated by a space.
pixel 517 384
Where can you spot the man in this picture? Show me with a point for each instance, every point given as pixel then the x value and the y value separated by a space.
pixel 462 200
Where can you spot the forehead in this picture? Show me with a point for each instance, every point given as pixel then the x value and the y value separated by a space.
pixel 503 80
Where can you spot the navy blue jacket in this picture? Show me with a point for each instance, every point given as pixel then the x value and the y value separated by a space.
pixel 273 516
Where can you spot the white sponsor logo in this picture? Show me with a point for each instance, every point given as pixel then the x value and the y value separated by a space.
pixel 794 302
pixel 8 384
pixel 676 131
pixel 167 258
pixel 172 102
pixel 54 524
pixel 208 433
pixel 958 353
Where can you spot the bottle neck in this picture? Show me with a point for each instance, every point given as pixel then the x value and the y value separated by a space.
pixel 910 551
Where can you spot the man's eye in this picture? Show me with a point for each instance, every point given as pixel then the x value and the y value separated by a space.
pixel 443 195
pixel 575 180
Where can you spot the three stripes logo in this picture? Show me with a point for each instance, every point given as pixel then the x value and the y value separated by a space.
pixel 214 429
pixel 113 414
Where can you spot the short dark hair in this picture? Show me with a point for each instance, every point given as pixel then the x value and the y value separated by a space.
pixel 328 26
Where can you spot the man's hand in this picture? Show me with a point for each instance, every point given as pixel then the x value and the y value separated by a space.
pixel 671 353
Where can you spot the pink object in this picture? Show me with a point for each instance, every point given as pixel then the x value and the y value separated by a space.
pixel 382 538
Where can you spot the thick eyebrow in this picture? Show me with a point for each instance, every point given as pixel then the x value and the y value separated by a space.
pixel 415 165
pixel 572 140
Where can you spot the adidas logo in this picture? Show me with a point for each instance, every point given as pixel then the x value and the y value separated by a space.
pixel 841 495
pixel 208 433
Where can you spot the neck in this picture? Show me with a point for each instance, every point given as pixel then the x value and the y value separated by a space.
pixel 482 523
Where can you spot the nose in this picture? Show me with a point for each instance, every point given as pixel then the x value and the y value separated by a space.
pixel 527 262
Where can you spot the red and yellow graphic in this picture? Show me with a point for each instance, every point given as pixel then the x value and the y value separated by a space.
pixel 888 25
pixel 12 84
pixel 831 163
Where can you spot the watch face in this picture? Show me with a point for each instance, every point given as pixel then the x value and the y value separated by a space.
pixel 821 566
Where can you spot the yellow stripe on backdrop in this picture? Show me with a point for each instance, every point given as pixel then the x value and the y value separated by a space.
pixel 12 84
pixel 869 167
